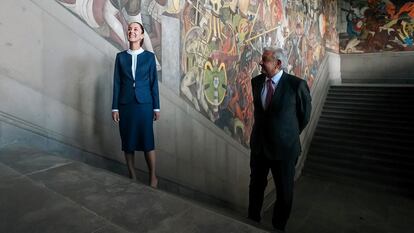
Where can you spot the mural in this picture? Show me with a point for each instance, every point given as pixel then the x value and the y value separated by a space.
pixel 330 10
pixel 109 18
pixel 222 43
pixel 376 25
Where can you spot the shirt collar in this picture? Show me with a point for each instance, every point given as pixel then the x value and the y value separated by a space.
pixel 276 77
pixel 135 52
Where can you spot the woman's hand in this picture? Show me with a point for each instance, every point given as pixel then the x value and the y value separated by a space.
pixel 115 116
pixel 156 115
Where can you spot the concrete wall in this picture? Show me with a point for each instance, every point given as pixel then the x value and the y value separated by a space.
pixel 56 75
pixel 386 67
pixel 329 73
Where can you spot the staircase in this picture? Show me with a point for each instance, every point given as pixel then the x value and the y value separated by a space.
pixel 365 137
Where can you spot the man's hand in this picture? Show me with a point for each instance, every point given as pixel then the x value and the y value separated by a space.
pixel 156 115
pixel 115 116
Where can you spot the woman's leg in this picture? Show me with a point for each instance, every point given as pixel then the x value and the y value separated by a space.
pixel 130 160
pixel 150 159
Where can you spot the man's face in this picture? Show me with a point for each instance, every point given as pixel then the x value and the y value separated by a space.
pixel 269 64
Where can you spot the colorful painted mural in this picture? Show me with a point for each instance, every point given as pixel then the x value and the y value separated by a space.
pixel 109 18
pixel 222 46
pixel 330 12
pixel 376 26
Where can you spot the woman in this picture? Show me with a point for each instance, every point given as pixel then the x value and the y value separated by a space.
pixel 135 103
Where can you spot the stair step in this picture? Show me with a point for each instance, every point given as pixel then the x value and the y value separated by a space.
pixel 375 146
pixel 368 100
pixel 358 164
pixel 365 114
pixel 345 178
pixel 343 148
pixel 378 178
pixel 350 114
pixel 365 126
pixel 403 108
pixel 379 111
pixel 381 124
pixel 374 80
pixel 373 132
pixel 363 95
pixel 363 138
pixel 369 95
pixel 370 90
pixel 387 89
pixel 381 119
pixel 392 161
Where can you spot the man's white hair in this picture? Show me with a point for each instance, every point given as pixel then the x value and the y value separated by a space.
pixel 278 54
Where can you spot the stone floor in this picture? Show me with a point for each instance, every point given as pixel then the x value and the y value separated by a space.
pixel 325 206
pixel 45 193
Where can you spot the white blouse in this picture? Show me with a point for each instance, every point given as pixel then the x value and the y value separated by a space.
pixel 134 54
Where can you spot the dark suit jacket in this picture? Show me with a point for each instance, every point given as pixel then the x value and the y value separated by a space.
pixel 276 130
pixel 146 81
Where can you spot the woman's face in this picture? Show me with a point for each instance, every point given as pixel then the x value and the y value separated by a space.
pixel 135 33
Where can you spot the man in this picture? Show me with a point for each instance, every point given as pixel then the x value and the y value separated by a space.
pixel 282 107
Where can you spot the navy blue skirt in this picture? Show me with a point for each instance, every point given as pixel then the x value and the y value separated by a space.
pixel 136 127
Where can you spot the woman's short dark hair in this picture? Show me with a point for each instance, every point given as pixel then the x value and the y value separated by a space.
pixel 142 29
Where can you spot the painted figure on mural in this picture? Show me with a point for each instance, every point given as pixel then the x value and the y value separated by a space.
pixel 228 36
pixel 233 32
pixel 109 19
pixel 330 25
pixel 377 25
pixel 136 104
pixel 282 108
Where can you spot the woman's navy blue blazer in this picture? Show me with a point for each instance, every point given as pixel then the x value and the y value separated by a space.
pixel 144 89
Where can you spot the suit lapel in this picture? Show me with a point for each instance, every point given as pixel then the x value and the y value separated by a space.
pixel 128 64
pixel 139 65
pixel 259 88
pixel 142 66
